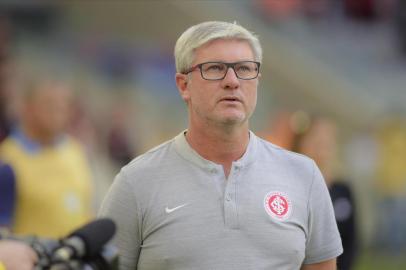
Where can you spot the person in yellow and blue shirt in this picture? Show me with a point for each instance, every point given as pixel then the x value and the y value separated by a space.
pixel 45 180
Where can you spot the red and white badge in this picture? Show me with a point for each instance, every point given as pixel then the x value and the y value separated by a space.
pixel 277 205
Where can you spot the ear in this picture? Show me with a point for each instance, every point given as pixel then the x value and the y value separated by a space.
pixel 182 81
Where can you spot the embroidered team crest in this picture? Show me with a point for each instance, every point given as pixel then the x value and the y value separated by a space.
pixel 277 205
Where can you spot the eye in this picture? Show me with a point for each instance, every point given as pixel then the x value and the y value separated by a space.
pixel 245 67
pixel 213 67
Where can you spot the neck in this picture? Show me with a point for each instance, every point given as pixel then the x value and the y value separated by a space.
pixel 220 145
pixel 37 136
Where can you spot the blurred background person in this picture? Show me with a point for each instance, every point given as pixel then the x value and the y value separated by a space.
pixel 46 176
pixel 121 148
pixel 391 188
pixel 317 138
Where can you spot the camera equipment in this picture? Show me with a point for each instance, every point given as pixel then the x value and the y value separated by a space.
pixel 83 249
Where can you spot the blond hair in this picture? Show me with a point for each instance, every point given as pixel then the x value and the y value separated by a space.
pixel 200 34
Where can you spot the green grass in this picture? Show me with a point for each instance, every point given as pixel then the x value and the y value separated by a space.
pixel 374 261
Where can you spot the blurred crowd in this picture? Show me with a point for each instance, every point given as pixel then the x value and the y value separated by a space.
pixel 370 11
pixel 56 126
pixel 56 162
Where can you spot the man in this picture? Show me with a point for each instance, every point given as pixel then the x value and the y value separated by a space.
pixel 216 196
pixel 45 183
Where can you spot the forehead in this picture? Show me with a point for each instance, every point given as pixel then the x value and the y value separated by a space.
pixel 49 91
pixel 226 50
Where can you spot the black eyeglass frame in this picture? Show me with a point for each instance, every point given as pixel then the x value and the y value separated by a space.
pixel 228 65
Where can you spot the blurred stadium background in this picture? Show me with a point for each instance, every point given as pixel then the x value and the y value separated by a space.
pixel 340 58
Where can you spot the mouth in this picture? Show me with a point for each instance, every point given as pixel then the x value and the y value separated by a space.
pixel 230 99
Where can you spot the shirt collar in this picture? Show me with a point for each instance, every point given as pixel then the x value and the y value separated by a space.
pixel 31 145
pixel 188 153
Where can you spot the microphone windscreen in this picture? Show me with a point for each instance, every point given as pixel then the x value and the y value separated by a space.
pixel 95 234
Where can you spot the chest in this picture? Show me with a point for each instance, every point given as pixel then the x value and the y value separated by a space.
pixel 227 219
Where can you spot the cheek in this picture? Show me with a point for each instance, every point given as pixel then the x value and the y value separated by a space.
pixel 252 96
pixel 198 100
pixel 201 95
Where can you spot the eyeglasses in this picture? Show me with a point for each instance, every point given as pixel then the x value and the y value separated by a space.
pixel 213 71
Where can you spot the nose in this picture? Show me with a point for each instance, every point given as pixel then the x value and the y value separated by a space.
pixel 230 81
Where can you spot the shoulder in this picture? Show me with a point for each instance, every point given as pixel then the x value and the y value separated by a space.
pixel 72 142
pixel 297 171
pixel 273 153
pixel 10 150
pixel 151 162
pixel 145 174
pixel 71 146
pixel 6 171
pixel 8 143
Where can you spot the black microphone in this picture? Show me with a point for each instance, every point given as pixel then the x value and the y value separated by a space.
pixel 85 242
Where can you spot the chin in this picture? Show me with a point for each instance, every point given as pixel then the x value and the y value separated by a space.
pixel 233 120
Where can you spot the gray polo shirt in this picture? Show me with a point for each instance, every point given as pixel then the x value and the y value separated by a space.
pixel 176 210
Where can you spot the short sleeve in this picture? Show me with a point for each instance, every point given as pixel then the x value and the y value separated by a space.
pixel 120 205
pixel 324 242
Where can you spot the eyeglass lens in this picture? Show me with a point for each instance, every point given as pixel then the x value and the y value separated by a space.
pixel 243 70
